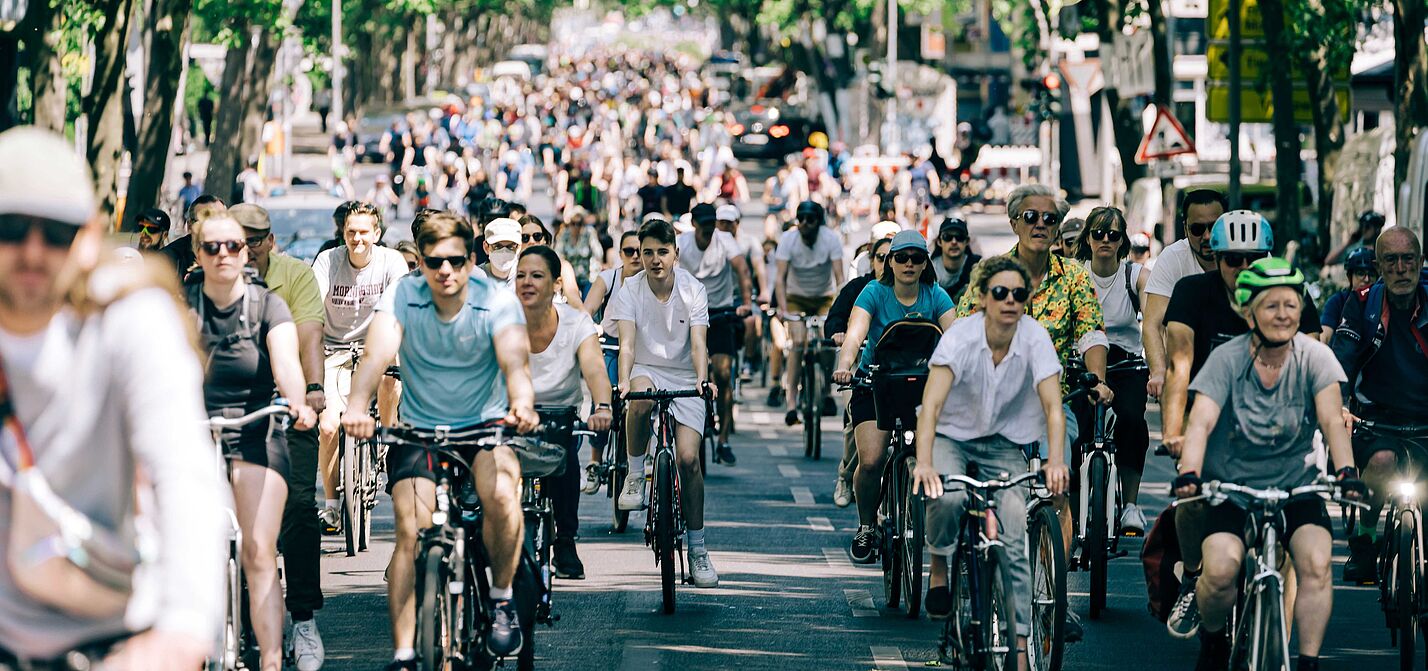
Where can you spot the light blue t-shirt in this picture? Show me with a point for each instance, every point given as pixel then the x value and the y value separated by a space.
pixel 881 303
pixel 450 375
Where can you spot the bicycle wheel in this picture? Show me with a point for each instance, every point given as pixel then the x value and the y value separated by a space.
pixel 618 470
pixel 891 526
pixel 959 637
pixel 351 491
pixel 233 611
pixel 1405 588
pixel 998 631
pixel 664 528
pixel 368 500
pixel 807 405
pixel 433 626
pixel 1048 589
pixel 911 539
pixel 1097 531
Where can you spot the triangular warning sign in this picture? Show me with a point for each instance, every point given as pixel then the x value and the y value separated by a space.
pixel 1166 138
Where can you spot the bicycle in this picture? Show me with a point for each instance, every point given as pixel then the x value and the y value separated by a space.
pixel 816 348
pixel 237 644
pixel 453 615
pixel 1401 567
pixel 561 426
pixel 1259 627
pixel 664 525
pixel 359 464
pixel 1047 641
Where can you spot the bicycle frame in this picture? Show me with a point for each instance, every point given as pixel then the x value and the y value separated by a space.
pixel 667 543
pixel 1402 604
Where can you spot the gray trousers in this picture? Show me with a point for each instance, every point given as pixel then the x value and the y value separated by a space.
pixel 994 455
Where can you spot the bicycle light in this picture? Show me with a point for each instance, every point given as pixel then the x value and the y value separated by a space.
pixel 1407 488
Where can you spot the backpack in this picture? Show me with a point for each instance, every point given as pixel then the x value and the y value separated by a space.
pixel 1130 289
pixel 902 354
pixel 1158 557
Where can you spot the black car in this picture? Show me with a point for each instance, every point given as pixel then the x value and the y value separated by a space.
pixel 763 132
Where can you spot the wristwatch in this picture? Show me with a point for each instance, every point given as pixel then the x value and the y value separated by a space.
pixel 313 386
pixel 602 406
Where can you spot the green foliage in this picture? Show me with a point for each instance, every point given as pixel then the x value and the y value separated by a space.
pixel 228 17
pixel 1332 24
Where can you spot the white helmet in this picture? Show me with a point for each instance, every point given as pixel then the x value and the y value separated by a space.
pixel 1241 231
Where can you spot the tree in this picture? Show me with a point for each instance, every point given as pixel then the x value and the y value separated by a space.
pixel 165 34
pixel 1112 18
pixel 104 103
pixel 1287 168
pixel 1411 79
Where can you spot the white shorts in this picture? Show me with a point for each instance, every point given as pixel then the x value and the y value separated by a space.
pixel 687 411
pixel 337 381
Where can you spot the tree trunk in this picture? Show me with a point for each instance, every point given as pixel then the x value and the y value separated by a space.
pixel 1164 66
pixel 1125 118
pixel 1410 110
pixel 9 80
pixel 47 80
pixel 105 103
pixel 168 32
pixel 260 82
pixel 1328 135
pixel 1287 169
pixel 223 157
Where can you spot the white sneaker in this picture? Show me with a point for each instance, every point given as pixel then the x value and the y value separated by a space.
pixel 701 569
pixel 306 644
pixel 632 497
pixel 842 493
pixel 331 520
pixel 1132 521
pixel 592 479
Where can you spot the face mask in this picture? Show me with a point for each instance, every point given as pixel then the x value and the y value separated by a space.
pixel 503 261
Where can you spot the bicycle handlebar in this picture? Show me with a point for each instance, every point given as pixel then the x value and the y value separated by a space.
pixel 663 394
pixel 279 407
pixel 1217 492
pixel 1409 431
pixel 994 484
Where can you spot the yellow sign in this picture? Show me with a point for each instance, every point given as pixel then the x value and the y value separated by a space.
pixel 1257 106
pixel 1254 65
pixel 1218 21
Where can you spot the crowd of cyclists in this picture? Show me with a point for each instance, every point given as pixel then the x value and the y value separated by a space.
pixel 649 279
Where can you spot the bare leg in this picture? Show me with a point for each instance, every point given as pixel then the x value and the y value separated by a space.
pixel 260 494
pixel 1215 591
pixel 1312 551
pixel 498 481
pixel 637 426
pixel 691 479
pixel 799 335
pixel 723 365
pixel 868 478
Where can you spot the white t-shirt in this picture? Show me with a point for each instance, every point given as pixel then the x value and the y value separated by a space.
pixel 1122 322
pixel 987 399
pixel 810 269
pixel 350 295
pixel 555 372
pixel 662 327
pixel 711 265
pixel 1175 263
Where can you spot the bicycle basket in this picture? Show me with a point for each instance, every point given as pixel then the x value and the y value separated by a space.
pixel 539 459
pixel 906 345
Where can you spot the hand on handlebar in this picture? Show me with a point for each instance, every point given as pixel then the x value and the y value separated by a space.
pixel 839 337
pixel 1186 484
pixel 1174 445
pixel 1349 419
pixel 1352 487
pixel 358 423
pixel 744 310
pixel 304 417
pixel 317 400
pixel 1058 478
pixel 1104 395
pixel 523 418
pixel 600 420
pixel 709 389
pixel 925 479
pixel 1155 385
pixel 842 376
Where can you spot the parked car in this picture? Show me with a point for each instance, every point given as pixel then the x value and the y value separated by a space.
pixel 762 131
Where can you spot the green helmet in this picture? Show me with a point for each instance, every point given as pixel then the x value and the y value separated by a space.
pixel 1265 274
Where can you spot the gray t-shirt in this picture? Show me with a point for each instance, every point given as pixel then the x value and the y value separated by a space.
pixel 810 269
pixel 711 265
pixel 350 295
pixel 1265 436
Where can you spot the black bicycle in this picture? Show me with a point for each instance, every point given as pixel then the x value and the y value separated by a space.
pixel 1401 561
pixel 664 525
pixel 360 465
pixel 815 368
pixel 452 583
pixel 561 430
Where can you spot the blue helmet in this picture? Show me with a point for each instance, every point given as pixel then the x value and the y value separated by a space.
pixel 1241 231
pixel 1360 261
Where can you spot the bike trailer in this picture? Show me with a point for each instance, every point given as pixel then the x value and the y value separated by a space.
pixel 1158 558
pixel 901 355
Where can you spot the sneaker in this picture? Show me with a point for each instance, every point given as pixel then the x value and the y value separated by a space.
pixel 725 455
pixel 1184 620
pixel 1074 632
pixel 632 497
pixel 1132 521
pixel 505 639
pixel 830 409
pixel 842 493
pixel 775 397
pixel 331 520
pixel 866 542
pixel 938 602
pixel 790 418
pixel 306 645
pixel 701 570
pixel 593 479
pixel 1214 652
pixel 402 665
pixel 567 561
pixel 1361 567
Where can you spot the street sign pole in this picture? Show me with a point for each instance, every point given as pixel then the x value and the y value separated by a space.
pixel 1234 189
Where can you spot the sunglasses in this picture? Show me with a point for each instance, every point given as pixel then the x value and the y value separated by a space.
pixel 949 237
pixel 150 229
pixel 1106 235
pixel 15 228
pixel 1030 217
pixel 1018 295
pixel 412 265
pixel 537 238
pixel 1236 260
pixel 630 251
pixel 436 262
pixel 910 257
pixel 1198 230
pixel 211 248
pixel 255 241
pixel 880 258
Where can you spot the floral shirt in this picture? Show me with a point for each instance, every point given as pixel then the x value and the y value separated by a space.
pixel 1065 304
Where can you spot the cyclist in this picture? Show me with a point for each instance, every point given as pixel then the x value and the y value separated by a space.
pixel 992 388
pixel 251 349
pixel 1102 248
pixel 606 284
pixel 453 331
pixel 351 278
pixel 1200 318
pixel 564 348
pixel 1370 225
pixel 663 320
pixel 716 259
pixel 1380 343
pixel 907 289
pixel 98 345
pixel 727 221
pixel 1259 398
pixel 1188 256
pixel 1362 272
pixel 301 538
pixel 153 226
pixel 953 258
pixel 810 269
pixel 501 240
pixel 534 232
pixel 180 249
pixel 837 328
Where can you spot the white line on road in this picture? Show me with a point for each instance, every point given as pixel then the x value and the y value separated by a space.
pixel 837 558
pixel 767 434
pixel 802 496
pixel 861 602
pixel 820 523
pixel 778 450
pixel 760 417
pixel 887 657
pixel 789 471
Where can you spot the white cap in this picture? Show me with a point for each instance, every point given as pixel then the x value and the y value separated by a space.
pixel 683 223
pixel 503 229
pixel 884 229
pixel 727 213
pixel 42 176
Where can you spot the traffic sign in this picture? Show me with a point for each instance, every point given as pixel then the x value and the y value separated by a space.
pixel 1166 138
pixel 1131 65
pixel 1084 76
pixel 1257 106
pixel 1251 21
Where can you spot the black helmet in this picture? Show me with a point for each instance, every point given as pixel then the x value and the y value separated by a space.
pixel 1371 219
pixel 493 208
pixel 809 208
pixel 1360 261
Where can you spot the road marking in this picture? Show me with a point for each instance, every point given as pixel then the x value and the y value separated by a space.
pixel 760 417
pixel 767 434
pixel 837 558
pixel 860 602
pixel 789 471
pixel 802 496
pixel 778 450
pixel 887 657
pixel 820 524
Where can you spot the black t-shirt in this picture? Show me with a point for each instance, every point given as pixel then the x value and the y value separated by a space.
pixel 1200 302
pixel 678 197
pixel 181 254
pixel 238 371
pixel 1396 376
pixel 650 197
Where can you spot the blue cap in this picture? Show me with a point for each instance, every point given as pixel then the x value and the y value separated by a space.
pixel 908 240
